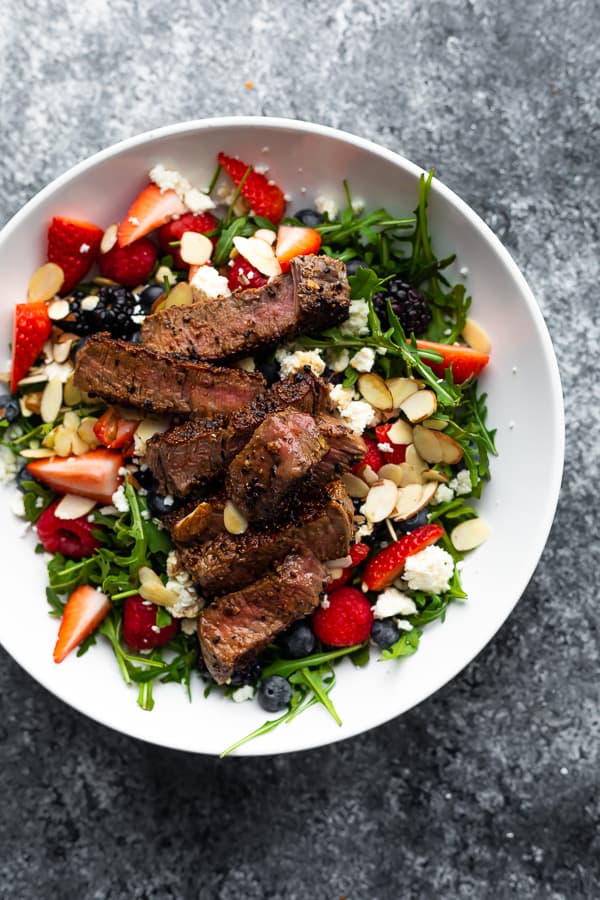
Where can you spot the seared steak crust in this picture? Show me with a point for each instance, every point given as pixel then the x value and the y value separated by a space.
pixel 238 626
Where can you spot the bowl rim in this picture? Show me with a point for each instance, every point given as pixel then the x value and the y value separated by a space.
pixel 449 196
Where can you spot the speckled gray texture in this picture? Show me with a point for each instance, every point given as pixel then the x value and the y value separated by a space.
pixel 490 788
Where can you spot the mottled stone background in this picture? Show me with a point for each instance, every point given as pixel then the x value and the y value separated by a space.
pixel 489 789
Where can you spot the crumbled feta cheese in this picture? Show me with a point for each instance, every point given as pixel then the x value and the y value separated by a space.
pixel 246 692
pixel 393 602
pixel 358 415
pixel 120 500
pixel 168 500
pixel 326 205
pixel 290 363
pixel 261 168
pixel 138 320
pixel 84 248
pixel 59 370
pixel 403 625
pixel 363 360
pixel 196 201
pixel 8 464
pixel 429 570
pixel 209 283
pixel 187 604
pixel 325 602
pixel 189 626
pixel 385 447
pixel 90 303
pixel 17 505
pixel 443 494
pixel 337 360
pixel 39 502
pixel 364 530
pixel 172 180
pixel 341 396
pixel 462 483
pixel 155 628
pixel 133 220
pixel 357 323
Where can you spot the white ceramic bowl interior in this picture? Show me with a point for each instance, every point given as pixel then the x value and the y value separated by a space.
pixel 525 404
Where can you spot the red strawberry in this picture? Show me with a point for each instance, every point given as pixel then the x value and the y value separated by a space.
pixel 358 553
pixel 398 452
pixel 388 564
pixel 73 246
pixel 94 474
pixel 347 619
pixel 113 431
pixel 85 609
pixel 242 274
pixel 129 265
pixel 150 209
pixel 172 231
pixel 373 457
pixel 140 631
pixel 31 330
pixel 294 241
pixel 465 362
pixel 71 537
pixel 265 199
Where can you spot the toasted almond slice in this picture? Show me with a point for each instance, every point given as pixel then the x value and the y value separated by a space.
pixel 158 593
pixel 411 474
pixel 63 441
pixel 259 254
pixel 428 444
pixel 89 303
pixel 58 309
pixel 234 521
pixel 452 452
pixel 71 420
pixel 265 234
pixel 381 500
pixel 78 446
pixel 409 501
pixel 419 406
pixel 151 426
pixel 72 507
pixel 355 486
pixel 86 431
pixel 435 424
pixel 51 399
pixel 109 238
pixel 162 273
pixel 33 401
pixel 413 458
pixel 45 283
pixel 401 389
pixel 36 378
pixel 37 453
pixel 61 351
pixel 369 475
pixel 393 472
pixel 191 526
pixel 434 475
pixel 375 391
pixel 148 576
pixel 470 534
pixel 476 337
pixel 71 394
pixel 196 249
pixel 102 281
pixel 400 433
pixel 180 295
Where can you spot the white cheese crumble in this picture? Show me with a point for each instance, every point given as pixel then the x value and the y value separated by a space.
pixel 188 604
pixel 393 602
pixel 363 360
pixel 59 370
pixel 89 303
pixel 168 500
pixel 462 483
pixel 245 692
pixel 84 248
pixel 358 415
pixel 8 465
pixel 364 530
pixel 172 180
pixel 17 505
pixel 120 500
pixel 341 396
pixel 189 626
pixel 357 323
pixel 290 363
pixel 246 363
pixel 196 201
pixel 385 447
pixel 337 360
pixel 443 494
pixel 326 205
pixel 430 570
pixel 209 283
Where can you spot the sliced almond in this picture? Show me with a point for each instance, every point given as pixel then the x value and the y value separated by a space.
pixel 72 507
pixel 196 249
pixel 109 238
pixel 470 534
pixel 435 475
pixel 180 295
pixel 413 458
pixel 420 405
pixel 71 420
pixel 191 526
pixel 476 337
pixel 355 486
pixel 234 521
pixel 401 389
pixel 36 378
pixel 89 303
pixel 61 351
pixel 37 453
pixel 78 446
pixel 375 391
pixel 400 433
pixel 51 400
pixel 393 472
pixel 452 452
pixel 411 474
pixel 58 309
pixel 435 424
pixel 86 431
pixel 63 442
pixel 369 475
pixel 148 576
pixel 265 234
pixel 45 283
pixel 158 593
pixel 103 282
pixel 428 445
pixel 381 500
pixel 32 403
pixel 164 273
pixel 259 254
pixel 408 501
pixel 71 393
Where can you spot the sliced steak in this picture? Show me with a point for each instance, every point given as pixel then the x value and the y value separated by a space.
pixel 345 449
pixel 126 373
pixel 312 296
pixel 322 524
pixel 199 519
pixel 236 628
pixel 196 451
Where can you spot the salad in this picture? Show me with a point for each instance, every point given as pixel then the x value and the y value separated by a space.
pixel 393 451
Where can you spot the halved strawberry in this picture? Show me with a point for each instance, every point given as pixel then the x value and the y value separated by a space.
pixel 358 553
pixel 172 231
pixel 345 620
pixel 85 609
pixel 113 431
pixel 398 452
pixel 265 198
pixel 294 241
pixel 373 457
pixel 31 330
pixel 242 274
pixel 129 265
pixel 73 245
pixel 465 362
pixel 388 564
pixel 94 474
pixel 150 209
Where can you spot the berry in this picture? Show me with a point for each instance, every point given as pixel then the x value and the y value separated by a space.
pixel 84 610
pixel 113 431
pixel 150 209
pixel 32 328
pixel 353 265
pixel 112 313
pixel 387 565
pixel 385 632
pixel 298 641
pixel 9 408
pixel 373 457
pixel 160 505
pixel 129 265
pixel 248 675
pixel 265 199
pixel 358 554
pixel 465 362
pixel 310 218
pixel 409 305
pixel 274 693
pixel 242 274
pixel 398 452
pixel 140 631
pixel 173 230
pixel 150 294
pixel 346 620
pixel 73 246
pixel 293 241
pixel 71 537
pixel 408 525
pixel 94 474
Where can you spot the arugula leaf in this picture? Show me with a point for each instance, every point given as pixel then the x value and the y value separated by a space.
pixel 406 645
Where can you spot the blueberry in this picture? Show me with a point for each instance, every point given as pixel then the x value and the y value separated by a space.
pixel 150 294
pixel 421 518
pixel 269 368
pixel 146 479
pixel 9 408
pixel 310 218
pixel 298 641
pixel 21 477
pixel 274 693
pixel 160 505
pixel 385 633
pixel 248 675
pixel 353 265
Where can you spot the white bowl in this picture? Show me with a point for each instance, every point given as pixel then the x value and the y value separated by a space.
pixel 525 404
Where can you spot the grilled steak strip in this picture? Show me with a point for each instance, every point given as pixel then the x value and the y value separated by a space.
pixel 312 296
pixel 228 562
pixel 126 373
pixel 235 629
pixel 196 451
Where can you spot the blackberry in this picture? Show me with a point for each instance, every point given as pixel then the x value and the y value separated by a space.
pixel 112 312
pixel 409 305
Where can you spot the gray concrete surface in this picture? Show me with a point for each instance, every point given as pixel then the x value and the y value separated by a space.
pixel 490 788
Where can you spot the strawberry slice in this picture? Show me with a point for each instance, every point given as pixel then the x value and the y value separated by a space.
pixel 242 275
pixel 85 609
pixel 73 245
pixel 465 362
pixel 129 265
pixel 265 198
pixel 398 452
pixel 203 223
pixel 113 431
pixel 294 241
pixel 373 457
pixel 94 474
pixel 358 554
pixel 346 620
pixel 32 328
pixel 388 564
pixel 150 209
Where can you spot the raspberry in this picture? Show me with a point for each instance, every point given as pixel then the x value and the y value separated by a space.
pixel 140 631
pixel 373 457
pixel 409 305
pixel 243 275
pixel 130 265
pixel 346 620
pixel 172 231
pixel 71 537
